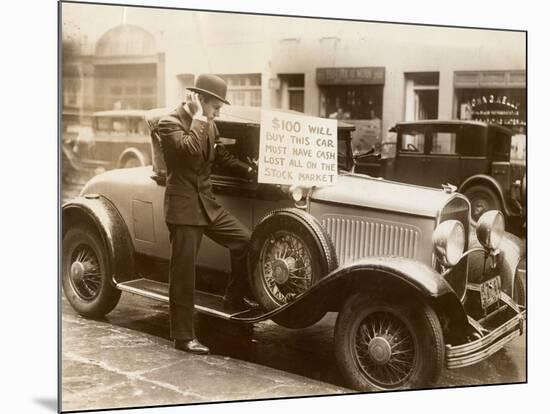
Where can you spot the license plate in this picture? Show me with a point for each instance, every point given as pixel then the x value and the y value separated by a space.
pixel 490 292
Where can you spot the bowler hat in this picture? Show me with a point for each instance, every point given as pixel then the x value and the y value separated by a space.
pixel 211 85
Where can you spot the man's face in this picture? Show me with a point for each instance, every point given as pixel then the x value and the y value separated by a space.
pixel 211 107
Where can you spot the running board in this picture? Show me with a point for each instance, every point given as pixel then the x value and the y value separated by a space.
pixel 206 303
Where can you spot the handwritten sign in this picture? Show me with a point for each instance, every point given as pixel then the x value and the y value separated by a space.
pixel 297 150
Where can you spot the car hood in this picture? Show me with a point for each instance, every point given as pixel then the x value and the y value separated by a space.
pixel 352 189
pixel 376 193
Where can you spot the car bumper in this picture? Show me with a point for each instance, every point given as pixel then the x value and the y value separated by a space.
pixel 470 353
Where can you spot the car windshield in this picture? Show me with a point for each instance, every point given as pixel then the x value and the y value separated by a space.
pixel 242 140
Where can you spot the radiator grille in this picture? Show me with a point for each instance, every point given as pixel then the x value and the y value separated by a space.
pixel 357 237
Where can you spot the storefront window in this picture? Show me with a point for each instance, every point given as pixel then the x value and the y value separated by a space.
pixel 421 95
pixel 360 105
pixel 504 107
pixel 125 86
pixel 354 94
pixel 291 91
pixel 352 102
pixel 244 89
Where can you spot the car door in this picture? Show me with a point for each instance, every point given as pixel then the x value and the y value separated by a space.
pixel 244 198
pixel 443 160
pixel 410 158
pixel 473 148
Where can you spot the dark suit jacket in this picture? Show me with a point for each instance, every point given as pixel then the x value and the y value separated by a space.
pixel 188 149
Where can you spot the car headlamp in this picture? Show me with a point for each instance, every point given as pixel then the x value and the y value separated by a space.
pixel 449 240
pixel 490 229
pixel 296 192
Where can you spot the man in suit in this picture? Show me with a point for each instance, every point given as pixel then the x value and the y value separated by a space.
pixel 187 139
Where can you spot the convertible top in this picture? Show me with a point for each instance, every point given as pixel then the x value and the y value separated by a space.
pixel 229 114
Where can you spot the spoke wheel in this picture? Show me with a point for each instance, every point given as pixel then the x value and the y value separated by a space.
pixel 286 264
pixel 482 199
pixel 385 349
pixel 388 345
pixel 86 273
pixel 290 252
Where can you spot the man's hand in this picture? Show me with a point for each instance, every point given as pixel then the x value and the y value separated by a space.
pixel 252 172
pixel 194 104
pixel 252 163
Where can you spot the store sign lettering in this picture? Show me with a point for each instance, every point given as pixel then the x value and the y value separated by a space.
pixel 354 76
pixel 493 109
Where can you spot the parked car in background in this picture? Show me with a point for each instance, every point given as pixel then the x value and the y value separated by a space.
pixel 120 139
pixel 416 287
pixel 473 156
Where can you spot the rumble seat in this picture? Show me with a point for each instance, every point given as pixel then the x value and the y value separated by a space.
pixel 159 165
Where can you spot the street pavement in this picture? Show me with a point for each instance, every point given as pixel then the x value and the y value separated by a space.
pixel 127 360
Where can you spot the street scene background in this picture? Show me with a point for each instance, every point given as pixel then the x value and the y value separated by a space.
pixel 126 59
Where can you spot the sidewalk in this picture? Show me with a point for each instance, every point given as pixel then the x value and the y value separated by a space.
pixel 109 366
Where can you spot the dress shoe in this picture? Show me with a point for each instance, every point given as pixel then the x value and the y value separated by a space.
pixel 239 304
pixel 193 346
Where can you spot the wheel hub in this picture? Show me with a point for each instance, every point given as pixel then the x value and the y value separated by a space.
pixel 281 271
pixel 380 350
pixel 77 270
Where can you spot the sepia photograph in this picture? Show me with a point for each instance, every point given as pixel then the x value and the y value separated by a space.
pixel 260 206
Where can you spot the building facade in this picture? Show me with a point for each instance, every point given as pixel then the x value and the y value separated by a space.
pixel 370 74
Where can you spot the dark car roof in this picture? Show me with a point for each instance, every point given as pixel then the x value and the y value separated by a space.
pixel 452 122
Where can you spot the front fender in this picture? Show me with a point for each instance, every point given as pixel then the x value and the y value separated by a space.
pixel 132 152
pixel 101 214
pixel 512 250
pixel 489 181
pixel 395 277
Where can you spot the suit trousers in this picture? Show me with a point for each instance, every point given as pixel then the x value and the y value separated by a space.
pixel 185 242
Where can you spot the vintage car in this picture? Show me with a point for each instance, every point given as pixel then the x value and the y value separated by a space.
pixel 416 287
pixel 120 139
pixel 474 156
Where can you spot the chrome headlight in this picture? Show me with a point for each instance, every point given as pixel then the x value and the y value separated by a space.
pixel 296 192
pixel 449 240
pixel 490 229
